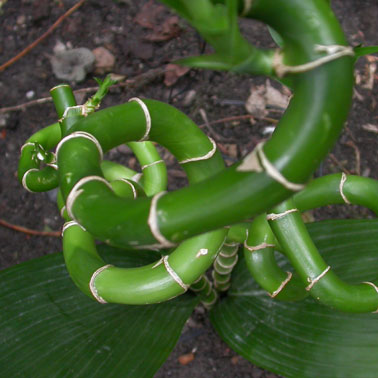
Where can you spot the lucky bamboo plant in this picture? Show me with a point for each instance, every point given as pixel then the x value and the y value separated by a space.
pixel 239 216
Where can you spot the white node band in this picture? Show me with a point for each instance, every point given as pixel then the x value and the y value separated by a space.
pixel 256 161
pixel 207 156
pixel 76 191
pixel 80 134
pixel 24 178
pixel 92 286
pixel 208 305
pixel 316 279
pixel 62 210
pixel 225 277
pixel 173 274
pixel 372 285
pixel 153 223
pixel 231 244
pixel 274 173
pixel 26 145
pixel 224 266
pixel 70 224
pixel 59 86
pixel 258 247
pixel 274 216
pixel 231 254
pixel 83 111
pixel 152 164
pixel 147 116
pixel 334 52
pixel 135 194
pixel 282 286
pixel 341 187
pixel 199 279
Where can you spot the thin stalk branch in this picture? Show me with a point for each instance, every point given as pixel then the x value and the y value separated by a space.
pixel 42 37
pixel 29 231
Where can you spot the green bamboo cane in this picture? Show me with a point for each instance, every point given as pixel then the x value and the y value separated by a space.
pixel 320 280
pixel 259 256
pixel 261 242
pixel 322 83
pixel 265 177
pixel 224 264
pixel 317 111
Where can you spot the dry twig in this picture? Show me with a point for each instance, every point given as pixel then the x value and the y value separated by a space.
pixel 350 143
pixel 42 37
pixel 134 82
pixel 28 231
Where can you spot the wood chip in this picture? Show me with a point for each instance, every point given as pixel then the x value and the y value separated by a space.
pixel 185 359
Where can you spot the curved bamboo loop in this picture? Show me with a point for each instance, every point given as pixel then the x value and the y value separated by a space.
pixel 104 204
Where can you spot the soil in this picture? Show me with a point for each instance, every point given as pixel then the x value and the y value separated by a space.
pixel 113 25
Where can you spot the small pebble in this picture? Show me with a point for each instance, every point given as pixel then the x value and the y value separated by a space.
pixel 30 95
pixel 189 98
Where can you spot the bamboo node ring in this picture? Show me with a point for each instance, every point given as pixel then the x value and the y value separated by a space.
pixel 232 253
pixel 153 222
pixel 316 279
pixel 256 161
pixel 173 274
pixel 207 156
pixel 274 216
pixel 147 116
pixel 282 286
pixel 92 286
pixel 341 186
pixel 372 285
pixel 333 52
pixel 26 145
pixel 70 224
pixel 127 181
pixel 76 191
pixel 152 164
pixel 80 134
pixel 258 247
pixel 24 184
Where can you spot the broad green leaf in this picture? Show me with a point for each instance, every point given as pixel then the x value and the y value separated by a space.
pixel 48 328
pixel 307 339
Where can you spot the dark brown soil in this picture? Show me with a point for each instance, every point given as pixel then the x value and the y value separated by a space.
pixel 112 25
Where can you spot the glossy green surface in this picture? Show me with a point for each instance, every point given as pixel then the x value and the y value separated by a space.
pixel 50 329
pixel 305 339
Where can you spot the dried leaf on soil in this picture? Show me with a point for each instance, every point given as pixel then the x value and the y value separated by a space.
pixel 148 15
pixel 173 73
pixel 264 96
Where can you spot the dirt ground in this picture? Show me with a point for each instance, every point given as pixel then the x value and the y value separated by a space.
pixel 143 41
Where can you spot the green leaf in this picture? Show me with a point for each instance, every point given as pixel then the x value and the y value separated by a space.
pixel 307 339
pixel 361 51
pixel 48 328
pixel 276 37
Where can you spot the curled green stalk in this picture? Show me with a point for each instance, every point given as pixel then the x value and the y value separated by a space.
pixel 260 259
pixel 224 264
pixel 319 64
pixel 319 278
